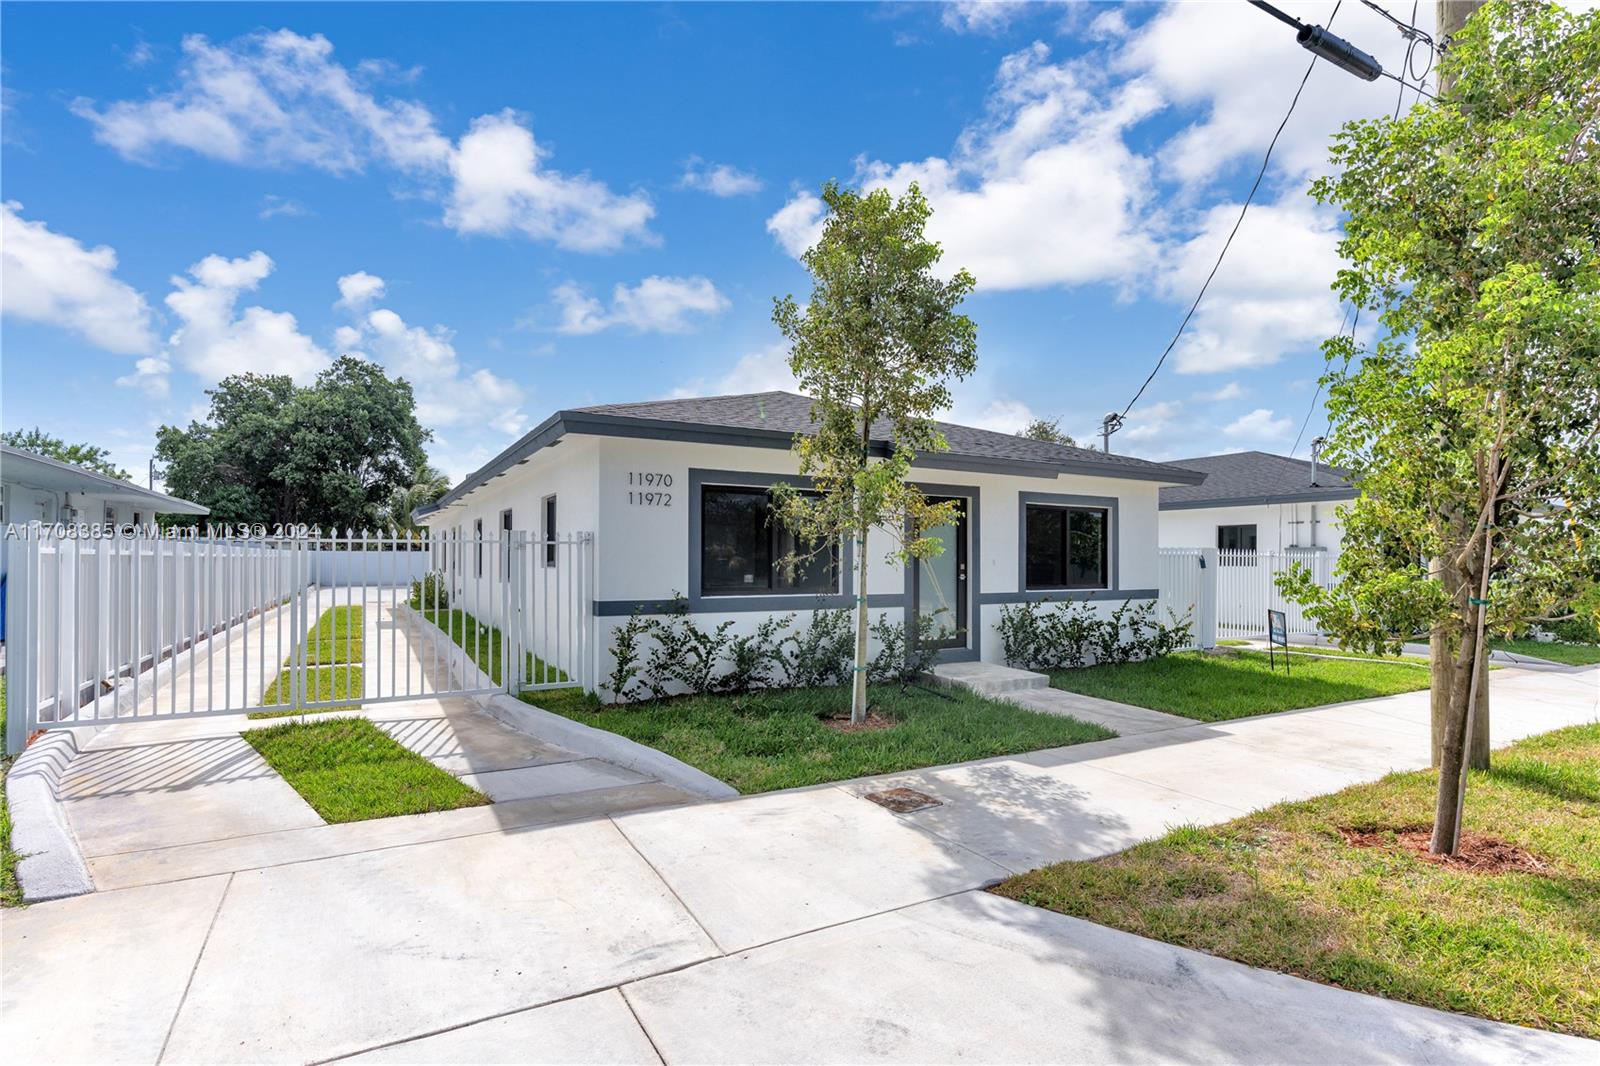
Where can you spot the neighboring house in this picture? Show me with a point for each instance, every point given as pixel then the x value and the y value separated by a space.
pixel 36 488
pixel 675 492
pixel 1256 501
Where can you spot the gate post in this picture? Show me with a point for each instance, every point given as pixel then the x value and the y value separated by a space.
pixel 1205 620
pixel 22 617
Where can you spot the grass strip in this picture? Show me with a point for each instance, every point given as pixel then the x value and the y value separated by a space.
pixel 10 889
pixel 349 770
pixel 323 683
pixel 777 738
pixel 1213 688
pixel 482 642
pixel 1282 889
pixel 1556 652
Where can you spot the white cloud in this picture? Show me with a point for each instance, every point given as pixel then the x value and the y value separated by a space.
pixel 1151 422
pixel 655 305
pixel 765 369
pixel 150 375
pixel 718 179
pixel 1259 426
pixel 358 290
pixel 797 225
pixel 501 186
pixel 1231 391
pixel 215 340
pixel 1000 415
pixel 448 395
pixel 281 207
pixel 278 99
pixel 1043 191
pixel 980 16
pixel 51 278
pixel 1271 295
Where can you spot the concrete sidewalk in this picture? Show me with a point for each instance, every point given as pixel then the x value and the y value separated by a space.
pixel 799 926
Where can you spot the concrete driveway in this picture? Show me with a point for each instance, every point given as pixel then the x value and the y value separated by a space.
pixel 799 926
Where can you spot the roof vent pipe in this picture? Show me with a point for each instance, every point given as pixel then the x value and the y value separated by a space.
pixel 1316 455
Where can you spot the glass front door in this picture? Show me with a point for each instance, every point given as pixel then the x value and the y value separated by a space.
pixel 941 582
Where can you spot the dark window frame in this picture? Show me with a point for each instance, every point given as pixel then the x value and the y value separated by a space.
pixel 773 532
pixel 547 512
pixel 1236 530
pixel 477 536
pixel 505 543
pixel 1064 547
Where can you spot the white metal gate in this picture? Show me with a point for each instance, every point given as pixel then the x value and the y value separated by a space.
pixel 1227 593
pixel 141 625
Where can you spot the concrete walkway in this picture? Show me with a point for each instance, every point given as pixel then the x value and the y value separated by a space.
pixel 798 926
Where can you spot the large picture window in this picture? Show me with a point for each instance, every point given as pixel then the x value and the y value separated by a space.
pixel 742 548
pixel 1067 547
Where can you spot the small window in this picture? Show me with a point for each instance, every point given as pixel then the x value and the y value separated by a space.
pixel 1236 538
pixel 477 540
pixel 742 549
pixel 111 516
pixel 505 543
pixel 549 531
pixel 1067 547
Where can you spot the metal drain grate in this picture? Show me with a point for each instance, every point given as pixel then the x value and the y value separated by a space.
pixel 903 800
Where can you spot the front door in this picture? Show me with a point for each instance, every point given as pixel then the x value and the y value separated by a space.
pixel 940 589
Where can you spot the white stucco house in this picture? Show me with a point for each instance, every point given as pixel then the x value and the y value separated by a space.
pixel 1256 501
pixel 36 488
pixel 675 494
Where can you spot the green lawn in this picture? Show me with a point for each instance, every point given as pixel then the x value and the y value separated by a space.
pixel 10 891
pixel 482 643
pixel 349 770
pixel 776 738
pixel 1282 889
pixel 1212 688
pixel 1571 654
pixel 323 683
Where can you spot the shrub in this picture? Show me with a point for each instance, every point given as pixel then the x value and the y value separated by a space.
pixel 823 653
pixel 625 655
pixel 900 661
pixel 755 658
pixel 1052 636
pixel 684 652
pixel 430 592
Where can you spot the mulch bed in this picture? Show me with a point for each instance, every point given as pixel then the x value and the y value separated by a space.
pixel 1479 853
pixel 841 723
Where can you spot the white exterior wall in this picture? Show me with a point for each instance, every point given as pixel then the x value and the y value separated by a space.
pixel 642 553
pixel 1276 530
pixel 24 504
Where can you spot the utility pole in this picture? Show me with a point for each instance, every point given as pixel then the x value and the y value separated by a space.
pixel 1451 16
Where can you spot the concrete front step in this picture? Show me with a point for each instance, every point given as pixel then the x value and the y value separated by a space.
pixel 988 679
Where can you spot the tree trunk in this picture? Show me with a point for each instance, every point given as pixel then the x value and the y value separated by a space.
pixel 1441 673
pixel 858 687
pixel 1478 749
pixel 1447 803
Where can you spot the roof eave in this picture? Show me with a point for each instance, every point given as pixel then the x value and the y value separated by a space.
pixel 1328 495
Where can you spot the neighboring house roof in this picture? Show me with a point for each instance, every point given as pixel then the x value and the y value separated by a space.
pixel 1241 478
pixel 772 419
pixel 52 475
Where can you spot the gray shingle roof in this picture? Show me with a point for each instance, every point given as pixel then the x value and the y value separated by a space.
pixel 789 413
pixel 771 419
pixel 1255 477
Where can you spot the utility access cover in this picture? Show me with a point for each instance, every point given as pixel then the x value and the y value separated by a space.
pixel 903 800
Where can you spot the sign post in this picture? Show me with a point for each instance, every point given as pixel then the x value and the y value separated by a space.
pixel 1277 636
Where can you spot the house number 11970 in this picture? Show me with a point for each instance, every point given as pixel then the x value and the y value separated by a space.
pixel 647 488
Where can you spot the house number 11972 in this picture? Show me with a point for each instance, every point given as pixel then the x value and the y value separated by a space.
pixel 647 488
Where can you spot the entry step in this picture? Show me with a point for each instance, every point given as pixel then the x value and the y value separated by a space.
pixel 988 679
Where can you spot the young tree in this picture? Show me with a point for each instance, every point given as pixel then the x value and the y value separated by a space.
pixel 1048 430
pixel 89 456
pixel 1471 426
pixel 876 347
pixel 330 454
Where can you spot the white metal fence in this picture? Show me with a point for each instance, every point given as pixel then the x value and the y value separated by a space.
pixel 1228 593
pixel 150 627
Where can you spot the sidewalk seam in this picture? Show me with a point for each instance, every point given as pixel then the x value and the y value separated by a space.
pixel 187 985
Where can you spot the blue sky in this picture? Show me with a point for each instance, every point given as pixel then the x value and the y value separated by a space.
pixel 523 208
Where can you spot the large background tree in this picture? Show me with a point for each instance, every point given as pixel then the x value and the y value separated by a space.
pixel 331 454
pixel 89 456
pixel 876 347
pixel 1471 425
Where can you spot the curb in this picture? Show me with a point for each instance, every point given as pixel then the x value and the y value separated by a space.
pixel 552 728
pixel 51 866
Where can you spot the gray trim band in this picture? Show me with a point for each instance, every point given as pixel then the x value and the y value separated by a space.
pixel 746 604
pixel 988 599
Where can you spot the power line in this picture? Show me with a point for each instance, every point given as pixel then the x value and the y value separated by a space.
pixel 1318 394
pixel 1260 174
